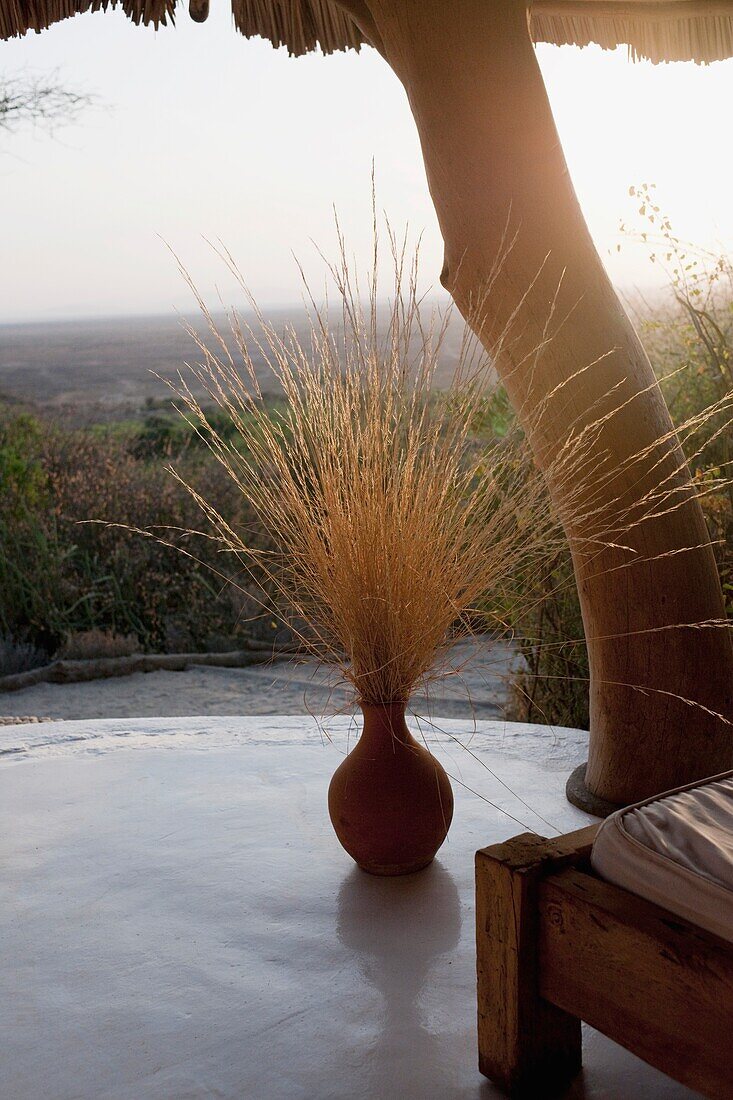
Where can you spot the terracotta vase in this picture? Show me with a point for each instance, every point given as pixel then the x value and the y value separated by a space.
pixel 390 801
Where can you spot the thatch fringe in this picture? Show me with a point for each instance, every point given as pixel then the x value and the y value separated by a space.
pixel 702 37
pixel 702 32
pixel 301 25
pixel 19 16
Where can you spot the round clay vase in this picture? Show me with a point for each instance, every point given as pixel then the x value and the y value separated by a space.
pixel 390 801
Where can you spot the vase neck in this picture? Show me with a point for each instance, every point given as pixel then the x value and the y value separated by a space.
pixel 385 721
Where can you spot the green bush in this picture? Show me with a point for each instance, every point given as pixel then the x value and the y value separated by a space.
pixel 64 570
pixel 551 687
pixel 23 481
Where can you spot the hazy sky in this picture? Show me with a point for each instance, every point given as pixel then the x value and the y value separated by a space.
pixel 203 133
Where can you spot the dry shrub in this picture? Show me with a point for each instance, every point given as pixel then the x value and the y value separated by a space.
pixel 19 657
pixel 551 684
pixel 88 645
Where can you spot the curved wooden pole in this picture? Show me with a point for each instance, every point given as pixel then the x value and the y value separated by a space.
pixel 491 153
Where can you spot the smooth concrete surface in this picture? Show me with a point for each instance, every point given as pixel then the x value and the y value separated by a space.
pixel 178 921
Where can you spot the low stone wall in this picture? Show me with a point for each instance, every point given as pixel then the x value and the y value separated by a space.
pixel 67 672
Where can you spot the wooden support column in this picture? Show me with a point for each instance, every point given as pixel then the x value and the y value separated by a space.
pixel 497 175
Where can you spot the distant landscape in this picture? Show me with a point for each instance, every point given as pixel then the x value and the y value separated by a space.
pixel 87 431
pixel 100 370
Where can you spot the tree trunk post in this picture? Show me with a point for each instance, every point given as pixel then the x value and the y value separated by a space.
pixel 497 174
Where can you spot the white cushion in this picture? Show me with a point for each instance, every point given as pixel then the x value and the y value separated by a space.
pixel 676 850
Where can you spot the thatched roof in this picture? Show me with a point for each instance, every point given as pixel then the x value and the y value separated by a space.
pixel 661 30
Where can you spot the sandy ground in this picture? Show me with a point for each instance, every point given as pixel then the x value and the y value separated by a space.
pixel 479 686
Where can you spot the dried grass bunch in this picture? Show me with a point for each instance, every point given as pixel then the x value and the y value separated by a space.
pixel 390 521
pixel 396 527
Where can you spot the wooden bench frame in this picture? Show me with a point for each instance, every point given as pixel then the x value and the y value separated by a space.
pixel 556 945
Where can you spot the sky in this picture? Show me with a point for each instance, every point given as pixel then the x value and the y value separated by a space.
pixel 198 133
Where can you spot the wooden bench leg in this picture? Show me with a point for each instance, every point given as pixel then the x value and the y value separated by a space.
pixel 526 1045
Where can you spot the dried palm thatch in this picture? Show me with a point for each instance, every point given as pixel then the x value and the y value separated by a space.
pixel 660 30
pixel 19 16
pixel 301 25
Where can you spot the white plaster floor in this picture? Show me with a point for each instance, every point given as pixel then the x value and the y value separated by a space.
pixel 178 921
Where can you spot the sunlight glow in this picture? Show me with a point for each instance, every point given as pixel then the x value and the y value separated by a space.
pixel 201 133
